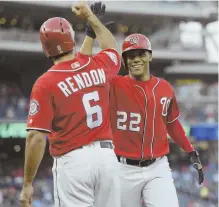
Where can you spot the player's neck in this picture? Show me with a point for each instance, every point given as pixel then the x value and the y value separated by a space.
pixel 64 58
pixel 144 77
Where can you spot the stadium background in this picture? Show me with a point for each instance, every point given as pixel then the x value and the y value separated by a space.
pixel 184 37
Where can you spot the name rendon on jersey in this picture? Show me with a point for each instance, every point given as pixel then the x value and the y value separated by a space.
pixel 82 80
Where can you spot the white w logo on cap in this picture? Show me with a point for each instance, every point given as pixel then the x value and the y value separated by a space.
pixel 134 40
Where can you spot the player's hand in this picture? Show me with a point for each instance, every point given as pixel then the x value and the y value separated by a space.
pixel 196 163
pixel 98 9
pixel 26 195
pixel 81 9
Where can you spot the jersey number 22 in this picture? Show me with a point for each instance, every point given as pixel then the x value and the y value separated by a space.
pixel 134 122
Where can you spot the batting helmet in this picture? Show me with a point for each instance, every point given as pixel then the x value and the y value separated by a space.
pixel 57 37
pixel 136 41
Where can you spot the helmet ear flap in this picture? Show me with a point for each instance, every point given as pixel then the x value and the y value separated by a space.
pixel 124 63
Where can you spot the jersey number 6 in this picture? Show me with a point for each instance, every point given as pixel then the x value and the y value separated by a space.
pixel 92 110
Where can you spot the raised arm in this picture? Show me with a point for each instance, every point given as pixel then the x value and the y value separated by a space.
pixel 104 36
pixel 87 46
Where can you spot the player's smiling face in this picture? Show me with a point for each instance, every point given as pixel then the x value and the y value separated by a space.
pixel 138 62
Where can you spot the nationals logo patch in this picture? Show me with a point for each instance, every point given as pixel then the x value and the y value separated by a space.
pixel 34 107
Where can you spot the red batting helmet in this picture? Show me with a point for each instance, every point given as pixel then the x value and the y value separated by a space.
pixel 57 37
pixel 136 41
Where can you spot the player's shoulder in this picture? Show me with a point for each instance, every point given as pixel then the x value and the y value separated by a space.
pixel 164 83
pixel 43 81
pixel 110 53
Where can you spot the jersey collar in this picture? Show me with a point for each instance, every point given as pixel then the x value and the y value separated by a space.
pixel 78 63
pixel 151 82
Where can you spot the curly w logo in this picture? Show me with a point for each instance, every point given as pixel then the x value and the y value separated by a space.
pixel 134 40
pixel 165 103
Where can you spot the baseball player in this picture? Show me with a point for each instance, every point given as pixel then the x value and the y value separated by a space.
pixel 70 104
pixel 143 110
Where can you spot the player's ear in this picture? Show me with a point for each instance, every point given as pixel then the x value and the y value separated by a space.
pixel 150 56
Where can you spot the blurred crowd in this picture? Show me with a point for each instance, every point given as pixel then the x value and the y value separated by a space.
pixel 11 181
pixel 190 194
pixel 198 102
pixel 13 105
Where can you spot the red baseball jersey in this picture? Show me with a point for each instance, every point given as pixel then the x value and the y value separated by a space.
pixel 140 111
pixel 71 101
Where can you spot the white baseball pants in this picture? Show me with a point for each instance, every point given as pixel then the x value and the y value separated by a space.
pixel 153 184
pixel 87 177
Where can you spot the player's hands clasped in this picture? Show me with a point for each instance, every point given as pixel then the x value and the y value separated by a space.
pixel 196 163
pixel 26 195
pixel 81 9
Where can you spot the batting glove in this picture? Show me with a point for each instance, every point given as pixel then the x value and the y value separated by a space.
pixel 196 163
pixel 99 10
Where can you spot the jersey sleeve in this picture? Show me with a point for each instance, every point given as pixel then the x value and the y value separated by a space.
pixel 40 110
pixel 173 111
pixel 111 59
